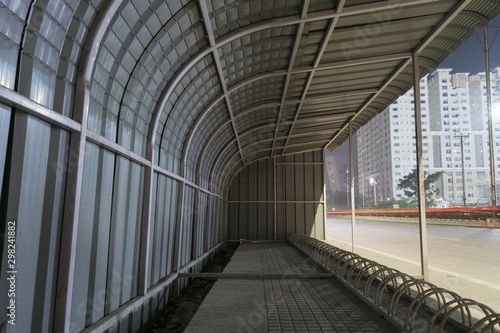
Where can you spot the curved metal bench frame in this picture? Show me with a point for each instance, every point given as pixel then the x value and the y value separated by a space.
pixel 382 280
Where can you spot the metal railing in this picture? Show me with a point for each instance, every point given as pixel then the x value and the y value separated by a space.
pixel 411 303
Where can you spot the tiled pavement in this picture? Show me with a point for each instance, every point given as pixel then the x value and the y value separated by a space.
pixel 281 304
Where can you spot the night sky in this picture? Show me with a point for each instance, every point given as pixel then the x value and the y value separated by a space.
pixel 469 57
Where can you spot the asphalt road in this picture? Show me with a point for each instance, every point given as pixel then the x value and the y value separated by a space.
pixel 465 260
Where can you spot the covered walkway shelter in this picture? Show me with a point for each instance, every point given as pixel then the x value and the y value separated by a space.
pixel 137 136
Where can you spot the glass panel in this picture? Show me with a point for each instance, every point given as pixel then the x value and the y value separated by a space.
pixel 456 156
pixel 125 232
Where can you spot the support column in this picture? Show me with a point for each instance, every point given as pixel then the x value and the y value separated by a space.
pixel 274 194
pixel 490 120
pixel 324 202
pixel 420 168
pixel 351 186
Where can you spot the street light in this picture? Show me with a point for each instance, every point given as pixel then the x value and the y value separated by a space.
pixel 462 137
pixel 374 184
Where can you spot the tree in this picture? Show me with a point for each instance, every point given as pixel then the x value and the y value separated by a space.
pixel 409 184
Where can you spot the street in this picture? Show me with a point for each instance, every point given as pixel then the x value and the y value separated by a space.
pixel 465 260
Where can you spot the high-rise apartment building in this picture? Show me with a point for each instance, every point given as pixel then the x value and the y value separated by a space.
pixel 387 147
pixel 455 127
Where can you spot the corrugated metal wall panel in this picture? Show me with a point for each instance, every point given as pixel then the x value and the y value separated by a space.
pixel 163 229
pixel 159 228
pixel 187 226
pixel 93 238
pixel 303 218
pixel 125 232
pixel 299 206
pixel 34 184
pixel 251 221
pixel 201 212
pixel 224 216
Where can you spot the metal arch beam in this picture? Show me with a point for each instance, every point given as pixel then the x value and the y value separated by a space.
pixel 262 150
pixel 291 20
pixel 219 156
pixel 304 69
pixel 218 130
pixel 216 176
pixel 291 63
pixel 431 36
pixel 326 40
pixel 353 62
pixel 249 80
pixel 241 114
pixel 230 143
pixel 266 149
pixel 400 69
pixel 291 102
pixel 273 23
pixel 69 233
pixel 260 159
pixel 219 98
pixel 211 39
pixel 217 163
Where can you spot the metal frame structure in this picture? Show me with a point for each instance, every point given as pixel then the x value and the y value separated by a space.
pixel 162 81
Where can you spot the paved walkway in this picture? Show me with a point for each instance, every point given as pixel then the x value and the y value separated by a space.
pixel 300 300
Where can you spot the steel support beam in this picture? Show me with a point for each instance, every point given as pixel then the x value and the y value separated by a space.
pixel 279 22
pixel 291 63
pixel 205 112
pixel 317 60
pixel 69 233
pixel 351 186
pixel 259 275
pixel 20 102
pixel 445 22
pixel 234 166
pixel 275 201
pixel 311 99
pixel 490 122
pixel 222 79
pixel 420 169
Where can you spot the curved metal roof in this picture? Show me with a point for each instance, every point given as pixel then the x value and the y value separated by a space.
pixel 202 88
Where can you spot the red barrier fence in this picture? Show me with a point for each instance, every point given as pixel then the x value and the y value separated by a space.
pixel 465 213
